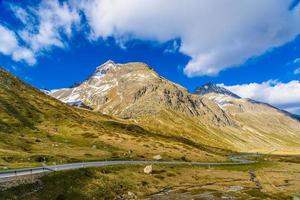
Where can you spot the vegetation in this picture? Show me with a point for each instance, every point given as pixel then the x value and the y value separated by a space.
pixel 36 129
pixel 130 181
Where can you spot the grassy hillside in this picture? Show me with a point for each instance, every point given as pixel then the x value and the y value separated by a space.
pixel 36 128
pixel 135 92
pixel 166 182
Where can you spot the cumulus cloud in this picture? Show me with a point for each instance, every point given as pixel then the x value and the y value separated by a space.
pixel 215 34
pixel 9 45
pixel 55 20
pixel 283 95
pixel 45 26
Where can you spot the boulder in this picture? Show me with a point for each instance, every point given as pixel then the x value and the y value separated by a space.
pixel 157 157
pixel 148 169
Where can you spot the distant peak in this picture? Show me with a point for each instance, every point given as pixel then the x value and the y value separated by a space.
pixel 102 69
pixel 213 88
pixel 209 85
pixel 108 63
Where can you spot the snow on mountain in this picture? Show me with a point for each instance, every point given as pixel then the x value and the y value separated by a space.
pixel 45 91
pixel 134 91
pixel 213 88
pixel 221 96
pixel 102 70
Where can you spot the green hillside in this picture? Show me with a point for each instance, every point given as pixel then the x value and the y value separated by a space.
pixel 36 128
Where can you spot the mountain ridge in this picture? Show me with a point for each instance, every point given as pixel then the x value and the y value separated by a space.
pixel 36 128
pixel 214 116
pixel 213 88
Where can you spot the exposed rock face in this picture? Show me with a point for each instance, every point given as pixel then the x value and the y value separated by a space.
pixel 260 124
pixel 134 90
pixel 212 88
pixel 212 116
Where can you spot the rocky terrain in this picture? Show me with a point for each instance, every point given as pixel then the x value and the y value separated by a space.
pixel 212 115
pixel 129 112
pixel 134 90
pixel 37 129
pixel 265 124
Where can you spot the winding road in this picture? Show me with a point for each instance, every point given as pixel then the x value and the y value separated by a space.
pixel 235 160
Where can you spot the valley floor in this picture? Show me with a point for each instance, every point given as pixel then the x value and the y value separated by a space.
pixel 270 178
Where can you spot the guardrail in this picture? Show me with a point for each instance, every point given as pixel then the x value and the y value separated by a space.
pixel 237 160
pixel 16 172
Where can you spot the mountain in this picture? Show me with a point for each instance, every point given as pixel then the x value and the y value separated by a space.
pixel 35 127
pixel 134 90
pixel 212 88
pixel 264 124
pixel 212 116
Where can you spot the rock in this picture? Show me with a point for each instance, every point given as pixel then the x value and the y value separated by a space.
pixel 127 196
pixel 94 147
pixel 157 157
pixel 148 169
pixel 235 188
pixel 131 195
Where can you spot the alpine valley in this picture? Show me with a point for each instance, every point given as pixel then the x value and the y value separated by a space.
pixel 211 116
pixel 128 133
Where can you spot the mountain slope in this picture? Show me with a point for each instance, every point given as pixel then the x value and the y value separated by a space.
pixel 36 128
pixel 212 88
pixel 265 124
pixel 135 92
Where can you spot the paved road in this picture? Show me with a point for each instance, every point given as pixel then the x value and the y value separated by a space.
pixel 236 160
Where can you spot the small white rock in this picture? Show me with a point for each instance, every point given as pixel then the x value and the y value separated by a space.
pixel 148 169
pixel 157 157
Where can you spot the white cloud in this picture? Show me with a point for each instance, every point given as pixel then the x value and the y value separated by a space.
pixel 8 41
pixel 55 20
pixel 296 61
pixel 216 34
pixel 173 47
pixel 9 46
pixel 20 13
pixel 297 71
pixel 283 95
pixel 44 26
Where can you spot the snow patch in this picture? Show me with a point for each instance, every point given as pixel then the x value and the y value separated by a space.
pixel 222 100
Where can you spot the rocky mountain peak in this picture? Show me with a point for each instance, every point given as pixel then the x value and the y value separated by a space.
pixel 213 88
pixel 104 68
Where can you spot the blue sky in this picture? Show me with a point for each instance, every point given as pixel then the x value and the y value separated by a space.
pixel 53 45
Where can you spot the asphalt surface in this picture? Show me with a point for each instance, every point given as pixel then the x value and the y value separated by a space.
pixel 235 160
